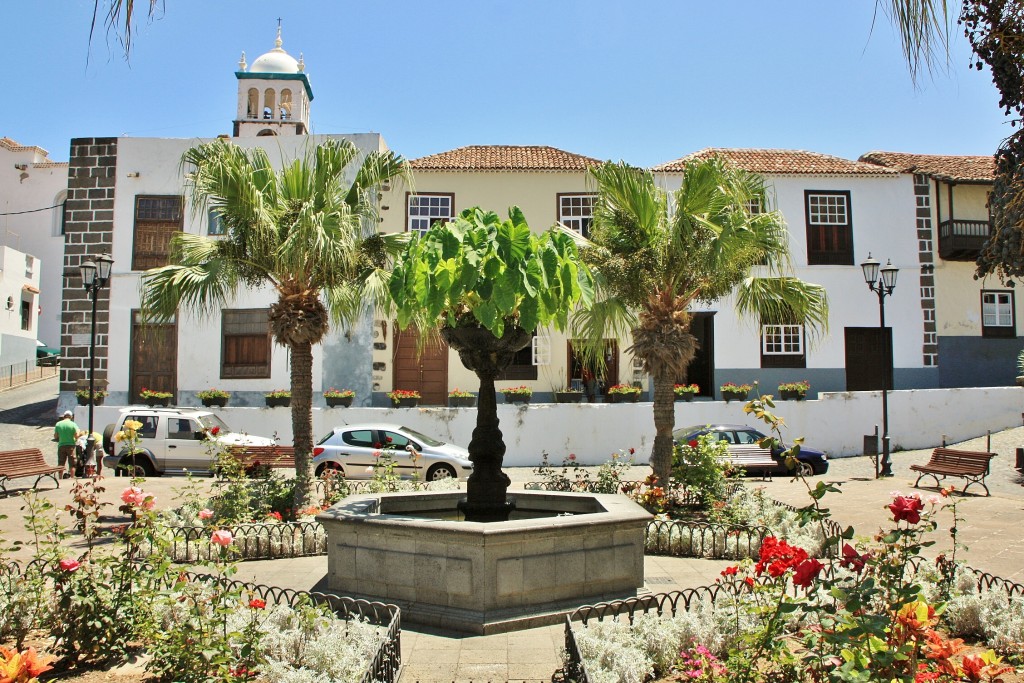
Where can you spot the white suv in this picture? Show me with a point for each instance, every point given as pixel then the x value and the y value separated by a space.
pixel 171 439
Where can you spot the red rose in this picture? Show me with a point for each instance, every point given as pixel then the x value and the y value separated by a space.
pixel 806 572
pixel 69 566
pixel 749 581
pixel 778 556
pixel 215 430
pixel 256 603
pixel 692 443
pixel 730 571
pixel 905 507
pixel 852 559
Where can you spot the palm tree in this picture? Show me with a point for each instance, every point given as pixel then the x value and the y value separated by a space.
pixel 655 254
pixel 307 231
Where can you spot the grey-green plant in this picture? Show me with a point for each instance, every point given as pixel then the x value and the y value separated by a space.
pixel 308 233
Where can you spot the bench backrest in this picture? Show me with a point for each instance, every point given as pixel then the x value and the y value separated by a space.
pixel 26 458
pixel 265 454
pixel 748 453
pixel 951 456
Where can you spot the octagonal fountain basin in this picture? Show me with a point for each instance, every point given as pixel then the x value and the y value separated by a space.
pixel 559 551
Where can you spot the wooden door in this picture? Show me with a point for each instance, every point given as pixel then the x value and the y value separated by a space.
pixel 701 370
pixel 154 357
pixel 606 376
pixel 425 371
pixel 868 358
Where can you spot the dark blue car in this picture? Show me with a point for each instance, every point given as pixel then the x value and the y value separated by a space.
pixel 809 461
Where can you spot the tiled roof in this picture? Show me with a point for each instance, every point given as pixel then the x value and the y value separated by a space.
pixel 780 162
pixel 16 146
pixel 504 158
pixel 942 166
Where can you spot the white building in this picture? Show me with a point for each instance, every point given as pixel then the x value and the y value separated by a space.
pixel 32 193
pixel 140 180
pixel 837 211
pixel 19 303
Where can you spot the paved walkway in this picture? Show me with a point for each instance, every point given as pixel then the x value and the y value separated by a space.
pixel 992 528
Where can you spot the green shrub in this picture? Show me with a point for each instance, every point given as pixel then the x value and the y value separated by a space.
pixel 700 466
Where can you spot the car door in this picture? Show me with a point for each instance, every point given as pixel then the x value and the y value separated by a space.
pixel 150 437
pixel 184 450
pixel 354 449
pixel 405 465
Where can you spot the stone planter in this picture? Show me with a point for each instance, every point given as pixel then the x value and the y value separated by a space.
pixel 214 402
pixel 154 402
pixel 568 396
pixel 792 395
pixel 734 396
pixel 518 398
pixel 461 401
pixel 685 397
pixel 339 401
pixel 407 403
pixel 278 402
pixel 624 398
pixel 1020 380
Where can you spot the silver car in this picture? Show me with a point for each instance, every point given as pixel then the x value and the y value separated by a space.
pixel 354 450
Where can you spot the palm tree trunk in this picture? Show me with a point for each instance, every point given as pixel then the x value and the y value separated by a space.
pixel 664 423
pixel 302 420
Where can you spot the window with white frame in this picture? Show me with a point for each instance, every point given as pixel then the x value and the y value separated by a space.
pixel 525 361
pixel 782 346
pixel 829 228
pixel 541 347
pixel 997 314
pixel 425 209
pixel 576 211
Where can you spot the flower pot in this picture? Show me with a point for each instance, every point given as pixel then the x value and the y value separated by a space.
pixel 734 396
pixel 568 396
pixel 1020 380
pixel 461 401
pixel 623 398
pixel 278 402
pixel 214 402
pixel 153 402
pixel 97 401
pixel 407 403
pixel 685 397
pixel 518 398
pixel 792 395
pixel 339 401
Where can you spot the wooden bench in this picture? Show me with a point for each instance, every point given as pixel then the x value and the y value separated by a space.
pixel 28 462
pixel 276 457
pixel 947 462
pixel 751 457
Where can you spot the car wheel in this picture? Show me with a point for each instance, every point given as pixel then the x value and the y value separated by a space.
pixel 442 471
pixel 143 467
pixel 323 467
pixel 108 439
pixel 804 469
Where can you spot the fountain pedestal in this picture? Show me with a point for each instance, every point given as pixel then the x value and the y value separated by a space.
pixel 410 549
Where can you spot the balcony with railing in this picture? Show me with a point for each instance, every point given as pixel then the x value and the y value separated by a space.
pixel 961 240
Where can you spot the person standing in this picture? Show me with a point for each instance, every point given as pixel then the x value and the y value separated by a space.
pixel 65 433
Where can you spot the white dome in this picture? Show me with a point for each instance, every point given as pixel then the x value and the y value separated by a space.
pixel 277 61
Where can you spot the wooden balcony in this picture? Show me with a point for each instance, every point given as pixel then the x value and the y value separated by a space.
pixel 962 240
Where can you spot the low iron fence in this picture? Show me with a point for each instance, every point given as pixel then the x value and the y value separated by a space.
pixel 24 372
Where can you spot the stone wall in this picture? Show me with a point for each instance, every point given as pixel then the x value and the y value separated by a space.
pixel 89 233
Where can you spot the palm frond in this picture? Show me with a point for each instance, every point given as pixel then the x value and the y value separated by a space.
pixel 785 301
pixel 923 27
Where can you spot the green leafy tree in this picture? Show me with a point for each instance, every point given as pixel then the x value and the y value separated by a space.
pixel 307 232
pixel 486 285
pixel 654 257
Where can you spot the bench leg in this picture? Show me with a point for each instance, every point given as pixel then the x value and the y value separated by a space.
pixel 929 474
pixel 981 481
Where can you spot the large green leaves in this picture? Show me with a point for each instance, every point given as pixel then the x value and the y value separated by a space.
pixel 480 270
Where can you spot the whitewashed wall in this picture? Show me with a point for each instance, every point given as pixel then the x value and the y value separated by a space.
pixel 835 423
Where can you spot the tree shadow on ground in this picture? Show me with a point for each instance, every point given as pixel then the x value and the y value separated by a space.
pixel 39 414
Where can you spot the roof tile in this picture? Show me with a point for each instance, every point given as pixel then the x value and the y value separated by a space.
pixel 504 158
pixel 780 162
pixel 941 166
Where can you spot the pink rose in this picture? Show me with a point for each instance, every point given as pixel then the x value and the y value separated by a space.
pixel 221 537
pixel 69 566
pixel 205 513
pixel 133 495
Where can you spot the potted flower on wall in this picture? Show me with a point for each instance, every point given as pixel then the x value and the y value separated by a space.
pixel 520 394
pixel 214 398
pixel 685 392
pixel 570 395
pixel 734 392
pixel 155 397
pixel 403 398
pixel 623 393
pixel 457 398
pixel 339 397
pixel 278 398
pixel 97 397
pixel 794 391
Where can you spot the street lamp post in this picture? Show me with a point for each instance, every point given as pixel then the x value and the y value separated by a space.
pixel 95 275
pixel 882 281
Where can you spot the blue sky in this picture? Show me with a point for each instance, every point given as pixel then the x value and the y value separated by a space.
pixel 642 81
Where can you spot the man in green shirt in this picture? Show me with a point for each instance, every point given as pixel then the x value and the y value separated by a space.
pixel 65 434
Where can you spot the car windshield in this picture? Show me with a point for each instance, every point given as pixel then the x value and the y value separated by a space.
pixel 210 421
pixel 686 431
pixel 422 437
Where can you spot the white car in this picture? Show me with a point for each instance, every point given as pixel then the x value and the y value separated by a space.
pixel 354 450
pixel 172 439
